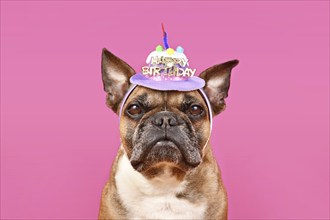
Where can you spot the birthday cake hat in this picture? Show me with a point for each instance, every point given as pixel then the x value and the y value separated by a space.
pixel 168 69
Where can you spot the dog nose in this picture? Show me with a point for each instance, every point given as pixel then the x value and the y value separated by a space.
pixel 165 119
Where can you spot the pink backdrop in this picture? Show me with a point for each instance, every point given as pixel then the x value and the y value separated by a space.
pixel 58 138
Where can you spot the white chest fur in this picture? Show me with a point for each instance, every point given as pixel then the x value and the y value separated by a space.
pixel 145 199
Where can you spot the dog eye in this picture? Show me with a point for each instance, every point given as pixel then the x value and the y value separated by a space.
pixel 134 109
pixel 195 110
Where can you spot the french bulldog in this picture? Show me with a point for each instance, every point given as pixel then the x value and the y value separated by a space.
pixel 164 168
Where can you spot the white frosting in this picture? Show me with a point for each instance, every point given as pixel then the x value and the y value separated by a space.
pixel 164 54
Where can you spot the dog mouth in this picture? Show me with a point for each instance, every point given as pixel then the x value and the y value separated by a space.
pixel 164 150
pixel 165 144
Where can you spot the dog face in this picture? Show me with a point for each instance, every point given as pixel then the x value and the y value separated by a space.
pixel 159 128
pixel 164 128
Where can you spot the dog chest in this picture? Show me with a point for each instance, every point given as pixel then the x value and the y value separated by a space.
pixel 145 199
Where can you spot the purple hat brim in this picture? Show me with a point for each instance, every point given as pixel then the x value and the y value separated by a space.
pixel 189 84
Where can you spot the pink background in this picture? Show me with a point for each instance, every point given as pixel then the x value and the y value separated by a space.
pixel 58 139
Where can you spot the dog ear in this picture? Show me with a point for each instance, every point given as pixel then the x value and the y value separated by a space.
pixel 217 82
pixel 115 75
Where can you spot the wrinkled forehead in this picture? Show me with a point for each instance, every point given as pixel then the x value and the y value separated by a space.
pixel 151 97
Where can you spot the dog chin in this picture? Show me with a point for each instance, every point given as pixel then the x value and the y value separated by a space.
pixel 163 152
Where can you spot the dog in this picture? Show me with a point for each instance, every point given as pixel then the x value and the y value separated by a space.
pixel 164 168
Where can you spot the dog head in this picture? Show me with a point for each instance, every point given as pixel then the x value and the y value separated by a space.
pixel 164 128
